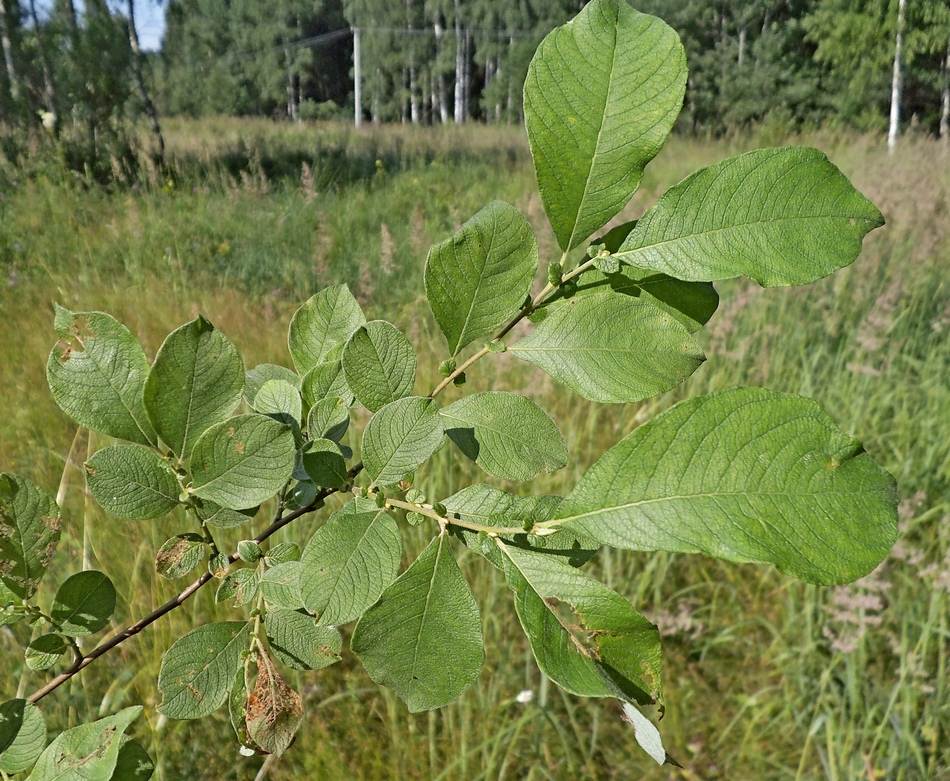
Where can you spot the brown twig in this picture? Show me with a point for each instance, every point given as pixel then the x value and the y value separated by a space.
pixel 177 601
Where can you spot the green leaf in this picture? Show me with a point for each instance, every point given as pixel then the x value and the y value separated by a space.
pixel 379 364
pixel 179 555
pixel 199 668
pixel 89 752
pixel 743 474
pixel 298 642
pixel 133 763
pixel 237 707
pixel 400 438
pixel 611 348
pixel 280 400
pixel 222 517
pixel 240 585
pixel 84 603
pixel 600 98
pixel 29 533
pixel 423 639
pixel 349 562
pixel 22 735
pixel 329 418
pixel 507 435
pixel 478 279
pixel 613 640
pixel 132 482
pixel 281 553
pixel 274 710
pixel 8 602
pixel 326 380
pixel 280 586
pixel 324 463
pixel 243 461
pixel 255 378
pixel 197 380
pixel 782 216
pixel 97 375
pixel 487 506
pixel 45 651
pixel 326 321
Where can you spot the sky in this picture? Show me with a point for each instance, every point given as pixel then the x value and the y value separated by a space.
pixel 150 21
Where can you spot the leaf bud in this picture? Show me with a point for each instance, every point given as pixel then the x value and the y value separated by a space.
pixel 415 496
pixel 555 272
pixel 496 347
pixel 447 367
pixel 380 499
pixel 440 509
pixel 460 380
pixel 415 519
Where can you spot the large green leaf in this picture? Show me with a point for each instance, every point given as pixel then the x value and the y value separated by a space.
pixel 326 380
pixel 328 418
pixel 88 752
pixel 298 642
pixel 30 522
pixel 349 562
pixel 280 400
pixel 196 381
pixel 132 482
pixel 401 437
pixel 22 735
pixel 611 348
pixel 326 321
pixel 478 279
pixel 600 98
pixel 84 603
pixel 486 506
pixel 133 763
pixel 243 461
pixel 743 474
pixel 596 645
pixel 255 378
pixel 507 435
pixel 379 364
pixel 324 464
pixel 423 639
pixel 782 216
pixel 198 670
pixel 97 375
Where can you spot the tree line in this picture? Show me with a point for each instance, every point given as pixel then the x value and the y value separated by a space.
pixel 76 71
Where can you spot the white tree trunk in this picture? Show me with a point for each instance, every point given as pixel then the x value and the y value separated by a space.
pixel 895 123
pixel 5 35
pixel 139 78
pixel 945 114
pixel 459 68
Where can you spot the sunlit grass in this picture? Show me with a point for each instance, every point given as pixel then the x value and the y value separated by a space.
pixel 766 678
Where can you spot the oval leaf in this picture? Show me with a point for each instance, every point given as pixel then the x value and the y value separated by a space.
pixel 240 585
pixel 199 668
pixel 30 521
pixel 280 586
pixel 324 463
pixel 400 438
pixel 22 735
pixel 743 474
pixel 379 364
pixel 197 380
pixel 45 651
pixel 97 375
pixel 479 278
pixel 326 321
pixel 179 555
pixel 274 710
pixel 298 642
pixel 611 348
pixel 779 216
pixel 280 400
pixel 255 378
pixel 133 763
pixel 326 380
pixel 507 435
pixel 600 98
pixel 423 639
pixel 132 482
pixel 89 752
pixel 243 461
pixel 328 419
pixel 349 562
pixel 84 603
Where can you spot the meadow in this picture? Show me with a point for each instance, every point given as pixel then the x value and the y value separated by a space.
pixel 766 677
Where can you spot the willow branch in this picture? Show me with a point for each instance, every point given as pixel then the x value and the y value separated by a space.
pixel 178 600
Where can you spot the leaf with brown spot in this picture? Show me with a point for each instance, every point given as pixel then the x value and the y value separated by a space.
pixel 274 710
pixel 29 533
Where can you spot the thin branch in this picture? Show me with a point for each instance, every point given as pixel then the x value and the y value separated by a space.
pixel 177 601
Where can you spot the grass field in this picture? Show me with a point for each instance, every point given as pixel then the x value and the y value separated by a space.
pixel 766 678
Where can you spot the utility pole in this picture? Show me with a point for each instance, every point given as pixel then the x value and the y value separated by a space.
pixel 357 94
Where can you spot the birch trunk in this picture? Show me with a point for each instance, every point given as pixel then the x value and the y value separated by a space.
pixel 459 68
pixel 139 78
pixel 945 113
pixel 898 75
pixel 6 36
pixel 49 90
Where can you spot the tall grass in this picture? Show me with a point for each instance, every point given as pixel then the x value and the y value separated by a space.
pixel 766 678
